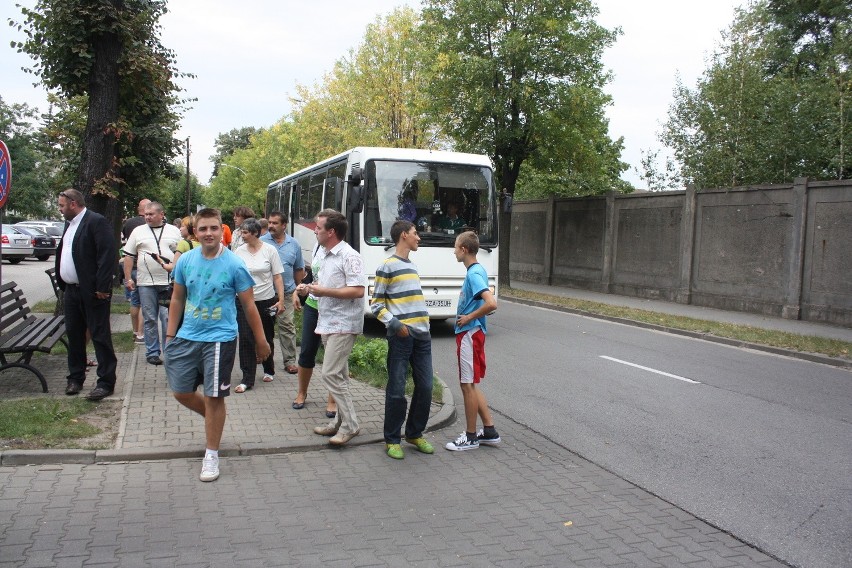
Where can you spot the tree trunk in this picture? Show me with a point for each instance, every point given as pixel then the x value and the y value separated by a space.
pixel 508 176
pixel 95 177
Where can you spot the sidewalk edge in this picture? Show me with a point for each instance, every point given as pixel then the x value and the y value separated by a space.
pixel 812 357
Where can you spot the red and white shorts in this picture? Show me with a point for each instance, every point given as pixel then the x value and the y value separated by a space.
pixel 470 349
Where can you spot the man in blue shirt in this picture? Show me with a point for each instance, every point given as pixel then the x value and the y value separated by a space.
pixel 294 271
pixel 201 338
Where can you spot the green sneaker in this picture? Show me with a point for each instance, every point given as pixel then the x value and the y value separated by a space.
pixel 422 445
pixel 395 451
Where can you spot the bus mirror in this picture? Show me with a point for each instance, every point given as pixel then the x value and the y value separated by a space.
pixel 356 176
pixel 355 203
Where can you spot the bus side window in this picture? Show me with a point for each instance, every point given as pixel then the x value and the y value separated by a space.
pixel 333 193
pixel 301 187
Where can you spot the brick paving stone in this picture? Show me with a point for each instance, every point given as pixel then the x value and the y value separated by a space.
pixel 502 506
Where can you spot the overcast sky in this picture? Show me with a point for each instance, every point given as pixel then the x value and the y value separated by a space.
pixel 248 57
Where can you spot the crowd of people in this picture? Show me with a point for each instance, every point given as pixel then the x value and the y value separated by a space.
pixel 200 294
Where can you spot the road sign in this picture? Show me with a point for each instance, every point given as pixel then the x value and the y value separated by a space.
pixel 5 173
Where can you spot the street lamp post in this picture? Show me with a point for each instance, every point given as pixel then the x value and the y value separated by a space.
pixel 235 167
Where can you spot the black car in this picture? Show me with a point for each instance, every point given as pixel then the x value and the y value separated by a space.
pixel 43 244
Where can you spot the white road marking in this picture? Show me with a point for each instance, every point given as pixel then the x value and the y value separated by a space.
pixel 684 379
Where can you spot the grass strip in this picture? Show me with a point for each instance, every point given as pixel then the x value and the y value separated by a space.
pixel 781 339
pixel 45 422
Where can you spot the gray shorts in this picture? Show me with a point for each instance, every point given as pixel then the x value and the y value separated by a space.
pixel 192 363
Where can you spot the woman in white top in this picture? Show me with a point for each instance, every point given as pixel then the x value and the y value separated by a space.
pixel 265 266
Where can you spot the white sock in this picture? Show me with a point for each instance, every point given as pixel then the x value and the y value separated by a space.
pixel 214 453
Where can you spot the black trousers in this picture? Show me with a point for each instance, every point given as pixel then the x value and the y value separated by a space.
pixel 248 357
pixel 82 313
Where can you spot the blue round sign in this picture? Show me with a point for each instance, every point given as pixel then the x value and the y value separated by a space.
pixel 5 173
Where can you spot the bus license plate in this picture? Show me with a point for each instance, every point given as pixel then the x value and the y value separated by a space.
pixel 439 303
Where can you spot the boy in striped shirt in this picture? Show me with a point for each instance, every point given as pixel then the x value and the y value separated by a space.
pixel 399 304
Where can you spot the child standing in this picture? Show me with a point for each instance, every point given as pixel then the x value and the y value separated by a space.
pixel 475 302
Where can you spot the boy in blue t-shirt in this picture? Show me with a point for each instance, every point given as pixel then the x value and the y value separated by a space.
pixel 201 338
pixel 475 302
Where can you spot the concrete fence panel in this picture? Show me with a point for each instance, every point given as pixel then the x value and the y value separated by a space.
pixel 740 261
pixel 578 244
pixel 827 273
pixel 647 245
pixel 780 250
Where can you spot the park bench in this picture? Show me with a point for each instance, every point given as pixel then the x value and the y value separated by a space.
pixel 60 295
pixel 23 333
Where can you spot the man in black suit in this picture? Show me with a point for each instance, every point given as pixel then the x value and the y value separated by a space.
pixel 85 264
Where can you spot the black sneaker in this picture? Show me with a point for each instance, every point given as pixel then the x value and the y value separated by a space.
pixel 486 441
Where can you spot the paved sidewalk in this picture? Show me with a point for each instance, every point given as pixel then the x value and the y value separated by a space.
pixel 154 426
pixel 527 502
pixel 698 312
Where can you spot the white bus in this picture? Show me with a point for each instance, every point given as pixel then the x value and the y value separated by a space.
pixel 442 193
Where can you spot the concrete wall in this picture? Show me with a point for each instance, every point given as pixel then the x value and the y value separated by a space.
pixel 780 250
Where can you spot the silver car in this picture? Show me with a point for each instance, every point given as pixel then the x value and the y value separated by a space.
pixel 16 246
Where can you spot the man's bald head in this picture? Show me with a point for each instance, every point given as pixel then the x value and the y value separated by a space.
pixel 143 203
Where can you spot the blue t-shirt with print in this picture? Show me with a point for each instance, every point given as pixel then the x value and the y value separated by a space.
pixel 210 313
pixel 291 258
pixel 470 299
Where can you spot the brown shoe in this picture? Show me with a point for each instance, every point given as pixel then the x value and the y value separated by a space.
pixel 340 438
pixel 329 429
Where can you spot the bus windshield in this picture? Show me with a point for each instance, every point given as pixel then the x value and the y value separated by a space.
pixel 441 199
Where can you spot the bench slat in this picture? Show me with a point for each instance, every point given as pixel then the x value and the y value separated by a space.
pixel 24 333
pixel 35 334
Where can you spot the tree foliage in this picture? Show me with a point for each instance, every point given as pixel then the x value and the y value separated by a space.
pixel 375 96
pixel 30 190
pixel 521 81
pixel 229 142
pixel 774 102
pixel 109 52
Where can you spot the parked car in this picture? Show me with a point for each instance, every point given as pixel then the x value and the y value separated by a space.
pixel 52 228
pixel 43 244
pixel 16 246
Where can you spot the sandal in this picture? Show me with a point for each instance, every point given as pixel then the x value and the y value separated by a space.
pixel 242 388
pixel 267 378
pixel 292 369
pixel 91 363
pixel 298 405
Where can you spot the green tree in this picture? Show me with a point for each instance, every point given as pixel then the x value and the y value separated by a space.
pixel 109 51
pixel 171 192
pixel 376 95
pixel 29 195
pixel 273 153
pixel 229 142
pixel 521 81
pixel 773 103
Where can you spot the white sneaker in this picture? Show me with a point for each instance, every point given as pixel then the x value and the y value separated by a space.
pixel 462 443
pixel 209 468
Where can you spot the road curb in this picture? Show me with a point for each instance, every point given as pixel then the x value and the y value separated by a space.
pixel 444 417
pixel 812 357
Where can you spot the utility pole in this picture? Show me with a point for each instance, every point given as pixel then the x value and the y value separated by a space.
pixel 188 192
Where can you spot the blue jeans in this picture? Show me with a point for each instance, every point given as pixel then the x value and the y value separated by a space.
pixel 403 351
pixel 151 311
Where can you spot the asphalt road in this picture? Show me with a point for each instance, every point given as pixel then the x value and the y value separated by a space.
pixel 30 277
pixel 758 445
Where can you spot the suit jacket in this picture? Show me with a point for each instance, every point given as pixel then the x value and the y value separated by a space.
pixel 94 254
